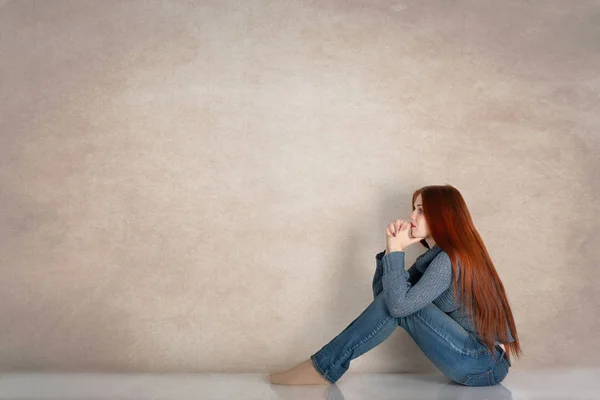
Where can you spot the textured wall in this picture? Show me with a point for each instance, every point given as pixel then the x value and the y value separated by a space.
pixel 203 186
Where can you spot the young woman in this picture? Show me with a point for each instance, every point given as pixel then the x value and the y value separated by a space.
pixel 468 341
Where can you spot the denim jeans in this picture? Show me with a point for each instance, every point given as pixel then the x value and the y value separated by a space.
pixel 457 353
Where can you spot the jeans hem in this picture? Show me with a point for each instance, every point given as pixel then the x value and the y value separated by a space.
pixel 319 370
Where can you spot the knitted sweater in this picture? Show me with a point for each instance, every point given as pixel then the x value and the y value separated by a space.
pixel 429 280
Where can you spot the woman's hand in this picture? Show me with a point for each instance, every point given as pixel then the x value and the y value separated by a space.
pixel 398 236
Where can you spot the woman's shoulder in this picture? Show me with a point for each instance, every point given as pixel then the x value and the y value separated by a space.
pixel 442 261
pixel 441 256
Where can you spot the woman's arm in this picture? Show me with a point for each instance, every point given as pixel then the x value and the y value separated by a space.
pixel 413 272
pixel 403 299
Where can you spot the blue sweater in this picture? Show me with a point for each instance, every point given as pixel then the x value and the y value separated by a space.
pixel 428 280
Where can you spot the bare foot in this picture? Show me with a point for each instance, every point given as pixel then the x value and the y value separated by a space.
pixel 302 374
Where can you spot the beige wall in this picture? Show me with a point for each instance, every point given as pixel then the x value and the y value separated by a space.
pixel 203 186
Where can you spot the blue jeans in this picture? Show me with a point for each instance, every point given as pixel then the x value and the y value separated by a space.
pixel 457 353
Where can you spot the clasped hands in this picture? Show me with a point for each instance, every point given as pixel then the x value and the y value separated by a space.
pixel 398 236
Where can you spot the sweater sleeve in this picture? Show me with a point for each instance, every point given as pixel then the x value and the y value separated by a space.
pixel 413 275
pixel 403 299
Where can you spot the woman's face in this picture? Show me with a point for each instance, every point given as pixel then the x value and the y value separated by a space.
pixel 418 220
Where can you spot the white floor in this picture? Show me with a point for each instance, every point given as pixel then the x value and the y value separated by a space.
pixel 566 384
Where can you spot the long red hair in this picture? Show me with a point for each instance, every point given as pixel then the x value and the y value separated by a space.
pixel 452 229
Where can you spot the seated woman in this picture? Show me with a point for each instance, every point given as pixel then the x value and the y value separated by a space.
pixel 468 341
